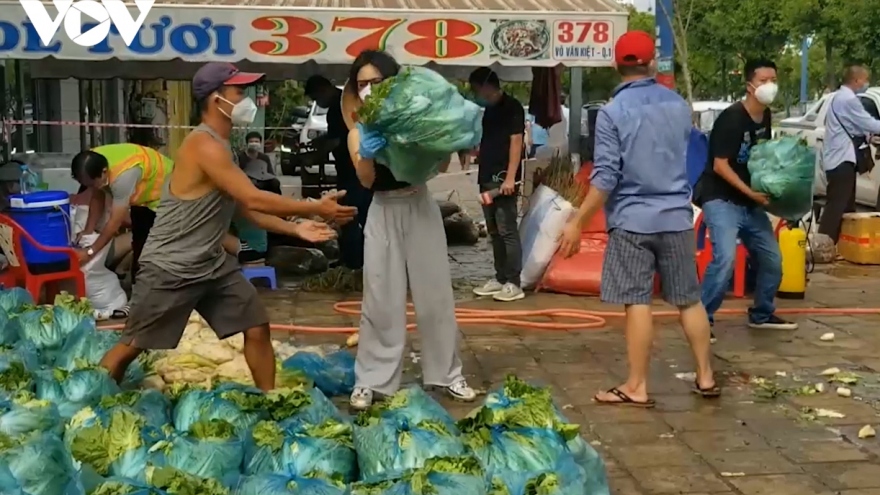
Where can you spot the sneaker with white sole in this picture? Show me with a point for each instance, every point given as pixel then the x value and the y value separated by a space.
pixel 774 323
pixel 460 390
pixel 490 288
pixel 361 398
pixel 509 292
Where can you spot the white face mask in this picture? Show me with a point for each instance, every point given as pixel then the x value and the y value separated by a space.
pixel 243 112
pixel 364 93
pixel 254 146
pixel 766 93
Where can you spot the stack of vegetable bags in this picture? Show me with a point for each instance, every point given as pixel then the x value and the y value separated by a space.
pixel 784 169
pixel 521 439
pixel 424 118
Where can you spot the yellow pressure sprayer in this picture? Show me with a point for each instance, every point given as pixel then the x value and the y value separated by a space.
pixel 793 247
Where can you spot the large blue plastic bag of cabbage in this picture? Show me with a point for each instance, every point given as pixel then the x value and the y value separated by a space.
pixel 439 476
pixel 210 449
pixel 123 486
pixel 389 447
pixel 502 448
pixel 74 390
pixel 151 404
pixel 285 484
pixel 567 478
pixel 301 405
pixel 239 405
pixel 333 374
pixel 176 482
pixel 47 327
pixel 784 169
pixel 424 119
pixel 519 404
pixel 23 413
pixel 8 484
pixel 14 300
pixel 301 449
pixel 86 346
pixel 40 465
pixel 413 405
pixel 114 442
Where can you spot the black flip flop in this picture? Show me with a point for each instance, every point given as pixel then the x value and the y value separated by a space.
pixel 625 400
pixel 712 392
pixel 121 313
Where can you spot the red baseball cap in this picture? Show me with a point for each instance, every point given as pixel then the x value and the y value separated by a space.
pixel 634 48
pixel 211 76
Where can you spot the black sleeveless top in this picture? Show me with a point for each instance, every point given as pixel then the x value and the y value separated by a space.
pixel 385 180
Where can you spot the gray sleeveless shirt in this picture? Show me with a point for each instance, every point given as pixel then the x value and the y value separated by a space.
pixel 186 236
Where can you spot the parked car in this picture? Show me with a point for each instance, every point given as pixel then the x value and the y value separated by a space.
pixel 811 127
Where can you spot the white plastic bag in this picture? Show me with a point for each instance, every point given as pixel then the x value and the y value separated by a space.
pixel 539 232
pixel 102 285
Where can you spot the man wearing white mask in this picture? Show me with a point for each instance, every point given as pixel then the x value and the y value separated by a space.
pixel 732 211
pixel 846 153
pixel 184 266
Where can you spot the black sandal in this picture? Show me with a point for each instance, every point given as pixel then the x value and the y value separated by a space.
pixel 121 313
pixel 625 400
pixel 707 393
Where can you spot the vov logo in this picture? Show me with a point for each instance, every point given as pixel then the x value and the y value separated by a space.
pixel 103 12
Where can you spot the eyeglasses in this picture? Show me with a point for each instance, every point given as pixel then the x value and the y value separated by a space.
pixel 363 84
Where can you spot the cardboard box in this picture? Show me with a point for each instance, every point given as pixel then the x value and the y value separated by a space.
pixel 860 238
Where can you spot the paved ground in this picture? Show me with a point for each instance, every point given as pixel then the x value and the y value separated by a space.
pixel 763 437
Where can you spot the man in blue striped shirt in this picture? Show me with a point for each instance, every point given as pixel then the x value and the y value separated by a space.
pixel 640 175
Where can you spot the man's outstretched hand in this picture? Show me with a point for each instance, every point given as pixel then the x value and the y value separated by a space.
pixel 313 231
pixel 330 209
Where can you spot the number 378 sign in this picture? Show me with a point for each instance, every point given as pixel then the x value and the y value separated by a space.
pixel 583 40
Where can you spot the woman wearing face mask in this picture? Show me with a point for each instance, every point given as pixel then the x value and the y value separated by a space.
pixel 732 210
pixel 184 266
pixel 404 241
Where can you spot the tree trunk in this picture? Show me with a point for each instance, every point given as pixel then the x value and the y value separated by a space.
pixel 830 70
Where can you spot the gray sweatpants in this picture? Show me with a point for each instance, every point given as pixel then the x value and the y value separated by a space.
pixel 405 239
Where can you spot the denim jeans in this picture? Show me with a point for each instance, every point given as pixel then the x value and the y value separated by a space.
pixel 504 236
pixel 726 222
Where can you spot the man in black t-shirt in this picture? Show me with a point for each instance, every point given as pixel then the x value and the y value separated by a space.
pixel 732 210
pixel 351 238
pixel 501 150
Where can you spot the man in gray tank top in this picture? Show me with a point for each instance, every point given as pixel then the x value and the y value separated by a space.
pixel 183 265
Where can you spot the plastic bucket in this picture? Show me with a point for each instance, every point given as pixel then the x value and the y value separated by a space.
pixel 45 215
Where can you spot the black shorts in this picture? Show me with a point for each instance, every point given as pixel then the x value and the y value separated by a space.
pixel 632 259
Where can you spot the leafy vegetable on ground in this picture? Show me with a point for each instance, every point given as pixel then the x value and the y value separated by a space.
pixel 301 448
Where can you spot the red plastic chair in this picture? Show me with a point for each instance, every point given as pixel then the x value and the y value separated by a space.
pixel 704 257
pixel 19 275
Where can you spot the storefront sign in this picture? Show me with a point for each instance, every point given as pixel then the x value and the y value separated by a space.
pixel 328 37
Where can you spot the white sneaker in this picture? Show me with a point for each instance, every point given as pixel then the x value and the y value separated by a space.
pixel 461 391
pixel 361 398
pixel 509 292
pixel 490 288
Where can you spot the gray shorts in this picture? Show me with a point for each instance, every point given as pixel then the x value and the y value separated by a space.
pixel 632 259
pixel 161 304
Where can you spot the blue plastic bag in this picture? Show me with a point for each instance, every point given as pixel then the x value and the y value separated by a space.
pixel 424 119
pixel 283 484
pixel 20 352
pixel 40 465
pixel 14 300
pixel 210 449
pixel 567 478
pixel 784 169
pixel 333 375
pixel 388 448
pixel 413 405
pixel 301 449
pixel 74 390
pixel 238 405
pixel 111 443
pixel 151 404
pixel 22 413
pixel 439 476
pixel 115 486
pixel 47 327
pixel 86 346
pixel 177 482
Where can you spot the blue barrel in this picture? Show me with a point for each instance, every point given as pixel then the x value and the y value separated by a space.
pixel 45 215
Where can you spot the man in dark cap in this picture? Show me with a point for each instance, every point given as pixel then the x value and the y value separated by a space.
pixel 351 237
pixel 183 265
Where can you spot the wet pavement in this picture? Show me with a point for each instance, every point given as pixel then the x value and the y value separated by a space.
pixel 773 432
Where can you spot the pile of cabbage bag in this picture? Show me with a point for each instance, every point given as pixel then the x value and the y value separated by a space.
pixel 784 169
pixel 66 428
pixel 424 119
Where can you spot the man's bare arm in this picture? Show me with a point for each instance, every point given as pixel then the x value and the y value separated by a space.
pixel 269 222
pixel 97 204
pixel 364 168
pixel 230 179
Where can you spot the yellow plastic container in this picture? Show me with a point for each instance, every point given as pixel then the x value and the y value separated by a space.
pixel 793 247
pixel 860 238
